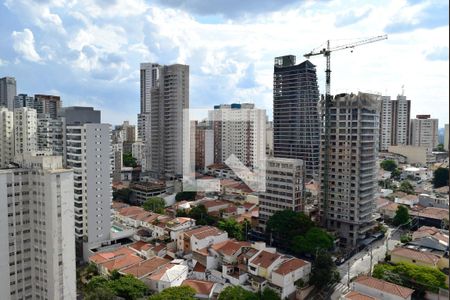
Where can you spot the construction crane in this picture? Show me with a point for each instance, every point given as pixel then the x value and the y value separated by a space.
pixel 327 53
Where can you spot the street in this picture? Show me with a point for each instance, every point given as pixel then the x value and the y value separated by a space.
pixel 360 262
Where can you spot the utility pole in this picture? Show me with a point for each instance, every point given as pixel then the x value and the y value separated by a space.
pixel 371 258
pixel 348 274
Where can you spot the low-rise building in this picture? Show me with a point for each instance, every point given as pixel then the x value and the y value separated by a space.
pixel 169 275
pixel 287 273
pixel 421 258
pixel 200 237
pixel 203 289
pixel 143 190
pixel 414 154
pixel 380 289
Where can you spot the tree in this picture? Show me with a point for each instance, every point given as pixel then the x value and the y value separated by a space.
pixel 440 147
pixel 236 292
pixel 200 214
pixel 388 165
pixel 177 292
pixel 188 196
pixel 101 293
pixel 269 294
pixel 155 204
pixel 315 239
pixel 233 228
pixel 324 270
pixel 406 187
pixel 440 178
pixel 129 160
pixel 128 287
pixel 419 278
pixel 401 215
pixel 122 194
pixel 286 224
pixel 395 174
pixel 182 213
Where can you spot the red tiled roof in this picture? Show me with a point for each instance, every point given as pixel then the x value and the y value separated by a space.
pixel 230 247
pixel 416 255
pixel 121 262
pixel 290 265
pixel 203 232
pixel 138 246
pixel 199 268
pixel 432 213
pixel 146 267
pixel 385 286
pixel 131 211
pixel 105 256
pixel 201 287
pixel 264 259
pixel 353 295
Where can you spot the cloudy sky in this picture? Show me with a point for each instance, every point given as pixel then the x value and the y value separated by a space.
pixel 88 51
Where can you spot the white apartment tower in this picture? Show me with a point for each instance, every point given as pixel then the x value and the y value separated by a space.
pixel 6 137
pixel 164 96
pixel 50 134
pixel 385 123
pixel 25 130
pixel 424 131
pixel 285 183
pixel 394 122
pixel 239 129
pixel 352 181
pixel 37 253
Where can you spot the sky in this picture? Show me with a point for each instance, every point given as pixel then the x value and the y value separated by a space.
pixel 88 51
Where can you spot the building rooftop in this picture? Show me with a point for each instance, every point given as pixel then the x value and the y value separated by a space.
pixel 230 247
pixel 354 295
pixel 146 267
pixel 432 213
pixel 201 287
pixel 168 272
pixel 425 231
pixel 290 265
pixel 264 259
pixel 108 255
pixel 422 256
pixel 203 232
pixel 385 286
pixel 120 262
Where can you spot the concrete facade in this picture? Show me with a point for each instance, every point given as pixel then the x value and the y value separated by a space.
pixel 6 137
pixel 352 166
pixel 8 91
pixel 25 130
pixel 446 137
pixel 38 253
pixel 424 131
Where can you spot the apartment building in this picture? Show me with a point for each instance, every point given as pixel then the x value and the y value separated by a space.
pixel 296 124
pixel 204 145
pixel 164 95
pixel 285 183
pixel 23 100
pixel 25 130
pixel 424 131
pixel 50 134
pixel 385 123
pixel 349 203
pixel 240 130
pixel 394 122
pixel 6 137
pixel 48 105
pixel 37 255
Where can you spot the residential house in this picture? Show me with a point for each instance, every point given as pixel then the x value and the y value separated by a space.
pixel 263 263
pixel 203 289
pixel 380 289
pixel 285 275
pixel 146 267
pixel 169 275
pixel 200 237
pixel 420 258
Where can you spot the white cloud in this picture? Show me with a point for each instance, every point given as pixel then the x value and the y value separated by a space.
pixel 23 43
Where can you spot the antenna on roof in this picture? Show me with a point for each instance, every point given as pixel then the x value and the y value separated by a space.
pixel 403 90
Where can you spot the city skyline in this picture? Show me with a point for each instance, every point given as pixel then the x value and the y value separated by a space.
pixel 90 56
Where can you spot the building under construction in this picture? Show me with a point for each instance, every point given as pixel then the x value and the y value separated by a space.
pixel 296 125
pixel 353 151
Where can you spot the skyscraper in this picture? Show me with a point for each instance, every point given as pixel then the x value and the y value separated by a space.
pixel 424 131
pixel 164 95
pixel 8 91
pixel 88 152
pixel 296 126
pixel 401 115
pixel 352 166
pixel 48 104
pixel 239 129
pixel 6 137
pixel 204 145
pixel 23 100
pixel 25 130
pixel 385 123
pixel 37 253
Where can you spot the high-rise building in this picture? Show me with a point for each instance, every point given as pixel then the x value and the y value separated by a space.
pixel 25 130
pixel 48 104
pixel 117 164
pixel 8 91
pixel 138 152
pixel 37 253
pixel 6 137
pixel 89 154
pixel 239 129
pixel 352 166
pixel 401 115
pixel 23 100
pixel 50 134
pixel 385 123
pixel 204 145
pixel 296 125
pixel 285 183
pixel 164 95
pixel 424 131
pixel 269 138
pixel 446 137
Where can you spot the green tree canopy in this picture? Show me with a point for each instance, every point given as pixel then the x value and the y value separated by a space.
pixel 127 287
pixel 100 293
pixel 236 292
pixel 286 224
pixel 401 215
pixel 395 174
pixel 417 277
pixel 129 160
pixel 200 214
pixel 155 204
pixel 406 187
pixel 388 165
pixel 188 196
pixel 178 293
pixel 269 294
pixel 440 177
pixel 440 147
pixel 324 270
pixel 314 239
pixel 233 228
